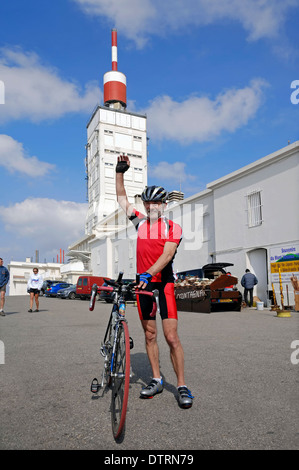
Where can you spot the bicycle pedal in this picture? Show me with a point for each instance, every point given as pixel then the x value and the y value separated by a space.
pixel 131 343
pixel 95 386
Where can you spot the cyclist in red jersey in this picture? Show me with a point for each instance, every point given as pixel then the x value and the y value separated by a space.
pixel 157 242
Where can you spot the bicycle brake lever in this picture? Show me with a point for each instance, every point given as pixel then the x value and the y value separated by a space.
pixel 94 291
pixel 156 297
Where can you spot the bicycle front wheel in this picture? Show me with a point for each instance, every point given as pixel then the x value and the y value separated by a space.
pixel 120 381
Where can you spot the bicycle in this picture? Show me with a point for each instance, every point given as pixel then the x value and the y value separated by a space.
pixel 116 347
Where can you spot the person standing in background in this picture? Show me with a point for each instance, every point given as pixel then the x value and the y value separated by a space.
pixel 4 278
pixel 248 281
pixel 33 287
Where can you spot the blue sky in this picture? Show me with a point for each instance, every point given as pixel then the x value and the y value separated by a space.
pixel 213 76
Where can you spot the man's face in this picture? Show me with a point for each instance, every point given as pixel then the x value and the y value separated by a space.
pixel 1 261
pixel 154 210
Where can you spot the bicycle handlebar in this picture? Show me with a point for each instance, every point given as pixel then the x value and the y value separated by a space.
pixel 116 285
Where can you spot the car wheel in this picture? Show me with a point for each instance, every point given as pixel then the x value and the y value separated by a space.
pixel 72 295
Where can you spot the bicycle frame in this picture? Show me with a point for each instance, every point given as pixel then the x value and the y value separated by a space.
pixel 116 349
pixel 115 328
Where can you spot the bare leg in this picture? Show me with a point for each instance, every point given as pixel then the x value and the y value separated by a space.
pixel 31 299
pixel 36 301
pixel 2 301
pixel 176 349
pixel 150 331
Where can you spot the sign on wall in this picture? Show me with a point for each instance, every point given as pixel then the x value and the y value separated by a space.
pixel 285 259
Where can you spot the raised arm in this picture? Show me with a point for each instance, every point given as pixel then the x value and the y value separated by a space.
pixel 123 164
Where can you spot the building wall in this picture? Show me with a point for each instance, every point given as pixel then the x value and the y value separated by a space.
pixel 71 271
pixel 277 183
pixel 100 254
pixel 276 178
pixel 195 215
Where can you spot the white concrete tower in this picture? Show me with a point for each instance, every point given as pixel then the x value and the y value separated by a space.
pixel 113 131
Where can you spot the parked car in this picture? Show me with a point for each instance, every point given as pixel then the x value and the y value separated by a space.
pixel 219 293
pixel 108 296
pixel 47 283
pixel 68 292
pixel 208 271
pixel 85 283
pixel 54 288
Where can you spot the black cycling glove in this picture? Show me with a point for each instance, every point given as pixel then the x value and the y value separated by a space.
pixel 122 167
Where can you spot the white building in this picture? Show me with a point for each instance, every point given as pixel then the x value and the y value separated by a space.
pixel 79 260
pixel 20 273
pixel 256 217
pixel 110 133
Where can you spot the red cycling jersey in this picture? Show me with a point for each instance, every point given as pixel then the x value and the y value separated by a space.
pixel 151 239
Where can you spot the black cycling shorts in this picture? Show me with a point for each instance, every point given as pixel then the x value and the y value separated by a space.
pixel 168 308
pixel 35 291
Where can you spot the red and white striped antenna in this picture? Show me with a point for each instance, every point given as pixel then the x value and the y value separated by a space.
pixel 115 83
pixel 114 49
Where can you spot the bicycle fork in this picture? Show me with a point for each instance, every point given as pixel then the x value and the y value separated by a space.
pixel 109 359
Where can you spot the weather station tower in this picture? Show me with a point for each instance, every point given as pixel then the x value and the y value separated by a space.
pixel 113 131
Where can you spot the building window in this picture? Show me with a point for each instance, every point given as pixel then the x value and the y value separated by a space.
pixel 109 170
pixel 254 208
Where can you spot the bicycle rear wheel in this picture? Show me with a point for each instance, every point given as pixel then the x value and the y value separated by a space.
pixel 120 381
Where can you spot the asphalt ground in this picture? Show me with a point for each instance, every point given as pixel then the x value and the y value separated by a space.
pixel 241 367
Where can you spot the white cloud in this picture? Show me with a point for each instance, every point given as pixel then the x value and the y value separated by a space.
pixel 36 92
pixel 200 119
pixel 44 224
pixel 133 17
pixel 14 158
pixel 174 172
pixel 138 19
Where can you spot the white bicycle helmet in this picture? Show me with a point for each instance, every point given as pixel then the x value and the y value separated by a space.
pixel 154 194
